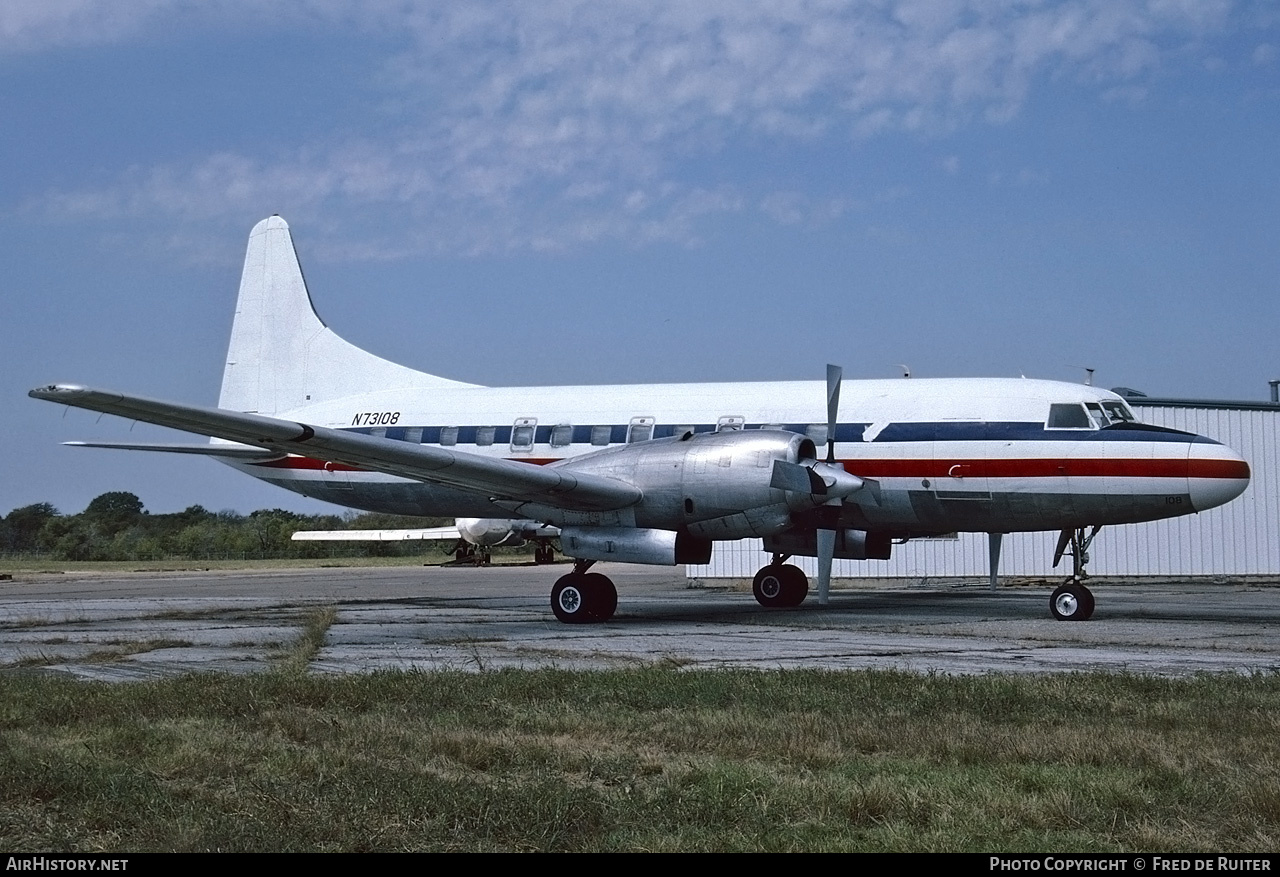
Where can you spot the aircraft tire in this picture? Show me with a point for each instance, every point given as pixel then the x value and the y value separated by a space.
pixel 769 587
pixel 1072 602
pixel 602 596
pixel 796 584
pixel 570 600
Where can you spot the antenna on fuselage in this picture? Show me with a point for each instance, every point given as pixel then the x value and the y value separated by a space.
pixel 906 370
pixel 1088 374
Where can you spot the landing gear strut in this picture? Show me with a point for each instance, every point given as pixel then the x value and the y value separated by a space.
pixel 780 584
pixel 1072 601
pixel 544 553
pixel 582 597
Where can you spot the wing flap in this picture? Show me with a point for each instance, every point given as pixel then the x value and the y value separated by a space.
pixel 500 479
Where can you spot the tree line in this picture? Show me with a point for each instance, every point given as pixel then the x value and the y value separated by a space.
pixel 115 526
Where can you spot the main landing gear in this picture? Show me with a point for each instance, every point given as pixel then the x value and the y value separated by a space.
pixel 583 597
pixel 544 553
pixel 780 584
pixel 1072 601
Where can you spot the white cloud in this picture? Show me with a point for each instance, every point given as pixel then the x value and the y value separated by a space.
pixel 538 125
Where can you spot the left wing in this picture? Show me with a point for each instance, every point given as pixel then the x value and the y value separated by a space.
pixel 492 478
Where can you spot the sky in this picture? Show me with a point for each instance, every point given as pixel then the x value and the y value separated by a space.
pixel 564 192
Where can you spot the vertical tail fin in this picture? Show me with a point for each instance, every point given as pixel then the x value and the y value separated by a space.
pixel 282 356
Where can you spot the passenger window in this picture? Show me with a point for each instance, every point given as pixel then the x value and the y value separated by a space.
pixel 561 435
pixel 414 435
pixel 485 435
pixel 1068 416
pixel 600 435
pixel 448 435
pixel 730 423
pixel 522 433
pixel 641 429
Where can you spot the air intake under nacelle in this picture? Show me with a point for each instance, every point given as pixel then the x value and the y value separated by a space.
pixel 850 544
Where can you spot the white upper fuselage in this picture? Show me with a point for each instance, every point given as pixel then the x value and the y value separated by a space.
pixel 946 454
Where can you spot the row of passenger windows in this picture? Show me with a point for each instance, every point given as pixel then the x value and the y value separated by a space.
pixel 526 432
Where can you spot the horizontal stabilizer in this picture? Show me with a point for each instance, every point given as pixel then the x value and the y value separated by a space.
pixel 491 478
pixel 425 534
pixel 238 452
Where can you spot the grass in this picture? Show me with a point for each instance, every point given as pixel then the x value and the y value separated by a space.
pixel 643 759
pixel 315 625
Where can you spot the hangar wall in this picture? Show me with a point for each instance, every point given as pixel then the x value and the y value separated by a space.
pixel 1241 538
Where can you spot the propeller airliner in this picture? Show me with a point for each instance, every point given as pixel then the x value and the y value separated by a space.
pixel 656 474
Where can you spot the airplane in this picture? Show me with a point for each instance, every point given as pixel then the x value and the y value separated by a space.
pixel 657 473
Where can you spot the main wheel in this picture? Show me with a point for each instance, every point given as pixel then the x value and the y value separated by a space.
pixel 570 601
pixel 602 596
pixel 796 584
pixel 1072 602
pixel 770 585
pixel 780 584
pixel 581 598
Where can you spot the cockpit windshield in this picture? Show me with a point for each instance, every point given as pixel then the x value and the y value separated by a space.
pixel 1089 415
pixel 1100 420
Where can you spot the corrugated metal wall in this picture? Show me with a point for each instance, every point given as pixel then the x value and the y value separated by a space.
pixel 1240 538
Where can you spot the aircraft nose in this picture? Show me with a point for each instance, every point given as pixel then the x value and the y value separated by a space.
pixel 1215 475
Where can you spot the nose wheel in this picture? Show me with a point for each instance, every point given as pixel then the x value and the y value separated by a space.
pixel 1072 602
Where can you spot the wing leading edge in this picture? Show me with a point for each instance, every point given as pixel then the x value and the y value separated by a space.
pixel 493 478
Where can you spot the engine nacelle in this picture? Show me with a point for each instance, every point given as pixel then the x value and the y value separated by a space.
pixel 710 485
pixel 494 532
pixel 850 544
pixel 633 545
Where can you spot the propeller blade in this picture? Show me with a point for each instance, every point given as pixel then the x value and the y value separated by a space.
pixel 820 480
pixel 826 551
pixel 834 376
pixel 993 551
pixel 794 478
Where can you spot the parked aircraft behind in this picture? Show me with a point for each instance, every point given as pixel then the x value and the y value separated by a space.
pixel 657 473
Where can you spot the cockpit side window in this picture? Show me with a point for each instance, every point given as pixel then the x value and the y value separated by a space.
pixel 1099 418
pixel 1118 411
pixel 1068 415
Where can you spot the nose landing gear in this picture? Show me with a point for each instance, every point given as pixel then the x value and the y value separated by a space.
pixel 1072 601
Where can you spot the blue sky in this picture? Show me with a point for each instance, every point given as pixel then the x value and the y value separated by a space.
pixel 563 192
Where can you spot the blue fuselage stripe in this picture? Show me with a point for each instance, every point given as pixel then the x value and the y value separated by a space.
pixel 942 431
